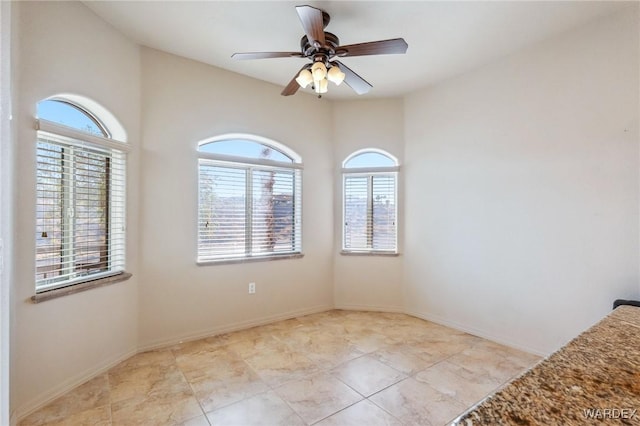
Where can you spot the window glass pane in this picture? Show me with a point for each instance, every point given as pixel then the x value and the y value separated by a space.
pixel 49 208
pixel 91 212
pixel 79 213
pixel 384 213
pixel 244 148
pixel 68 115
pixel 222 211
pixel 370 159
pixel 356 215
pixel 273 211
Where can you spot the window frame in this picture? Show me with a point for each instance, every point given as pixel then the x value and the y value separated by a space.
pixel 369 173
pixel 250 165
pixel 70 138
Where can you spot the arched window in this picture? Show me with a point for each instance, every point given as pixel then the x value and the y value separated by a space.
pixel 250 199
pixel 80 196
pixel 370 202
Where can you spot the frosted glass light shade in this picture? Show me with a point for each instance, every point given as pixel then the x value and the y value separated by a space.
pixel 319 71
pixel 304 78
pixel 335 75
pixel 323 85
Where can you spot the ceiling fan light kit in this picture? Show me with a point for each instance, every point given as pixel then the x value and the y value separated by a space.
pixel 322 48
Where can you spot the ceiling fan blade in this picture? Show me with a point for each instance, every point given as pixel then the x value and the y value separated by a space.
pixel 266 55
pixel 293 86
pixel 312 23
pixel 382 47
pixel 353 80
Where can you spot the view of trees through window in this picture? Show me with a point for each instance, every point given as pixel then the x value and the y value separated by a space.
pixel 247 210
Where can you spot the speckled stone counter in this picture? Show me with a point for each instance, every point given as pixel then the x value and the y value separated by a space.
pixel 594 379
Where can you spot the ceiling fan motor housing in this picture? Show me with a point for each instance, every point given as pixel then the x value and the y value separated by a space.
pixel 329 49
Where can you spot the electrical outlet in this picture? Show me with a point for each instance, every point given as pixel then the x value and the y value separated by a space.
pixel 252 288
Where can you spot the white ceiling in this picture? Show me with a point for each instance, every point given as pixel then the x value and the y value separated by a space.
pixel 445 38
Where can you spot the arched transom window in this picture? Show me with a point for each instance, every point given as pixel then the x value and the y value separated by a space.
pixel 370 202
pixel 249 199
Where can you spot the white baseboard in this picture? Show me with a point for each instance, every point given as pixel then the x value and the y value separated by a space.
pixel 372 308
pixel 475 332
pixel 41 400
pixel 227 328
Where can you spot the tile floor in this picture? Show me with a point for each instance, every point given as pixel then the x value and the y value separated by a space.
pixel 333 368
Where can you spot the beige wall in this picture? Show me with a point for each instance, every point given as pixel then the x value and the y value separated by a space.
pixel 522 189
pixel 518 195
pixel 367 282
pixel 65 48
pixel 6 220
pixel 184 102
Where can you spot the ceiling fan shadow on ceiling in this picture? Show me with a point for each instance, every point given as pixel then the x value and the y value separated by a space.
pixel 322 48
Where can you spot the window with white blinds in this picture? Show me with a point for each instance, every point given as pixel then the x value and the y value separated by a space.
pixel 80 206
pixel 370 203
pixel 249 202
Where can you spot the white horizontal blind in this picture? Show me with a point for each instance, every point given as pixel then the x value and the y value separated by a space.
pixel 275 219
pixel 248 211
pixel 384 212
pixel 222 211
pixel 370 212
pixel 80 211
pixel 356 213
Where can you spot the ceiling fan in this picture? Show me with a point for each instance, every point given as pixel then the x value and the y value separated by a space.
pixel 322 48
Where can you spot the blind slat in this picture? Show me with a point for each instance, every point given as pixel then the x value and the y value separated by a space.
pixel 370 212
pixel 80 212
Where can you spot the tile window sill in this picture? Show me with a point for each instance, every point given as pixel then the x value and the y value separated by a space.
pixel 369 253
pixel 249 259
pixel 77 288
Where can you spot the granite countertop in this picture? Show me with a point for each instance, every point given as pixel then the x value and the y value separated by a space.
pixel 595 378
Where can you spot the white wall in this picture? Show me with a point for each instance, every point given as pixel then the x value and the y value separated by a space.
pixel 522 189
pixel 184 102
pixel 65 48
pixel 367 282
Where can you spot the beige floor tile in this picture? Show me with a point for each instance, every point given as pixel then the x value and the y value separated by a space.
pixel 416 403
pixel 90 395
pixel 360 414
pixel 157 358
pixel 368 341
pixel 277 366
pixel 100 416
pixel 325 349
pixel 405 358
pixel 206 361
pixel 160 409
pixel 466 386
pixel 197 421
pixel 489 362
pixel 226 386
pixel 521 358
pixel 318 396
pixel 264 409
pixel 146 381
pixel 254 345
pixel 445 345
pixel 367 375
